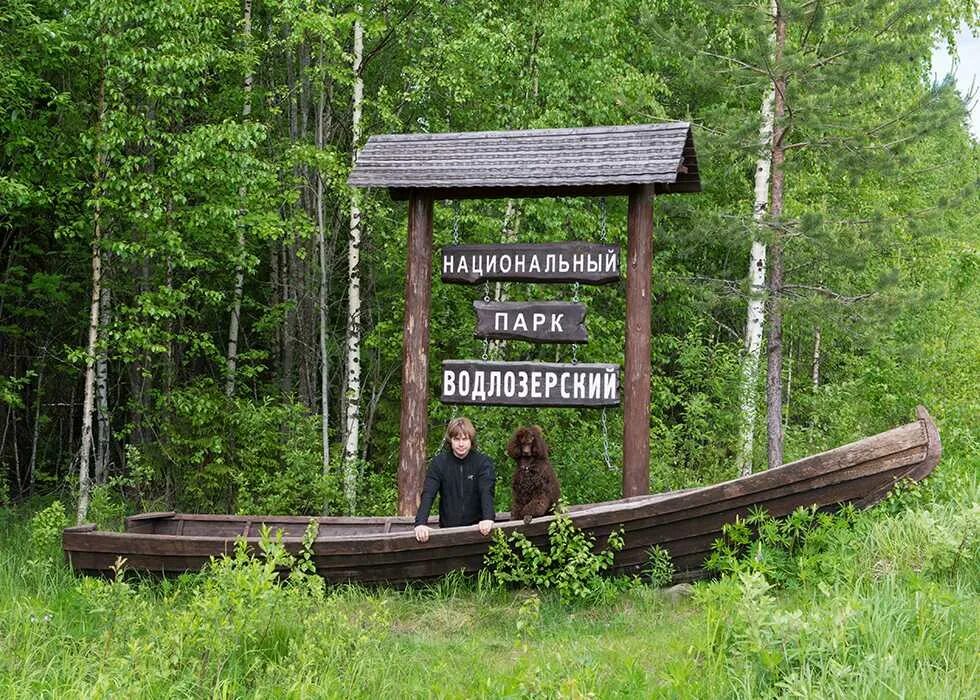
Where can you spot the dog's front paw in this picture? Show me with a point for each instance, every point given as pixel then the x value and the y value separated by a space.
pixel 527 519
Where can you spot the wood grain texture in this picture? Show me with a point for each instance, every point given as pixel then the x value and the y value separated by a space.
pixel 661 155
pixel 415 358
pixel 560 321
pixel 636 380
pixel 384 550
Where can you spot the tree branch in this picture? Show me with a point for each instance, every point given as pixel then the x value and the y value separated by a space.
pixel 829 293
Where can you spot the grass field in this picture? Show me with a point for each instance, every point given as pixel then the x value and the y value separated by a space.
pixel 893 612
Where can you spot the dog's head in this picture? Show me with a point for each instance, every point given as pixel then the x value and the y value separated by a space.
pixel 528 442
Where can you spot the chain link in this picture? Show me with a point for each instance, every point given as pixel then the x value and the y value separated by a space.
pixel 486 291
pixel 605 442
pixel 574 353
pixel 455 222
pixel 575 288
pixel 603 232
pixel 486 349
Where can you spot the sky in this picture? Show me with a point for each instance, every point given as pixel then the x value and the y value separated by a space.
pixel 967 70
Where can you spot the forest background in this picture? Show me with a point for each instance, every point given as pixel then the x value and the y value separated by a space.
pixel 188 160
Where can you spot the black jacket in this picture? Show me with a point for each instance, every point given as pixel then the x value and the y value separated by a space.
pixel 465 488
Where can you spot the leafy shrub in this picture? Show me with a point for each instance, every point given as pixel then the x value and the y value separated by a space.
pixel 44 539
pixel 659 567
pixel 569 565
pixel 45 530
pixel 786 551
pixel 106 508
pixel 237 455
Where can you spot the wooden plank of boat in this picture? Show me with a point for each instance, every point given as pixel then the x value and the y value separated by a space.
pixel 379 550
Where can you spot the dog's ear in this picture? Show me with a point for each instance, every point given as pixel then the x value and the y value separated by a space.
pixel 513 447
pixel 540 446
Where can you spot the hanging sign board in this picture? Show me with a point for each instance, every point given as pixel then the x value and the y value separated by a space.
pixel 536 321
pixel 575 261
pixel 529 383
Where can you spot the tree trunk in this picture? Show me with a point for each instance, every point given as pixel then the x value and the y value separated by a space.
pixel 236 306
pixel 756 311
pixel 324 276
pixel 85 451
pixel 354 289
pixel 774 393
pixel 816 358
pixel 37 428
pixel 102 395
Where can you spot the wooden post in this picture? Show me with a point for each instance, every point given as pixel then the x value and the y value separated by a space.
pixel 415 357
pixel 636 381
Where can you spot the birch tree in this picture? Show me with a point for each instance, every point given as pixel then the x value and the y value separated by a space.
pixel 353 396
pixel 756 314
pixel 85 451
pixel 236 308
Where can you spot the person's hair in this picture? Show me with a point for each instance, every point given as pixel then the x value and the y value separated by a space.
pixel 459 426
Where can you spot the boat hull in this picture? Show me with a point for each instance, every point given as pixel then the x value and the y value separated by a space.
pixel 384 550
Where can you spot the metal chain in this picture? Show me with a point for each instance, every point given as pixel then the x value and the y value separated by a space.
pixel 605 442
pixel 575 288
pixel 486 349
pixel 603 233
pixel 486 291
pixel 455 222
pixel 574 353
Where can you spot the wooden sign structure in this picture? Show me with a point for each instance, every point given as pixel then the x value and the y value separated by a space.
pixel 633 161
pixel 576 261
pixel 536 321
pixel 529 383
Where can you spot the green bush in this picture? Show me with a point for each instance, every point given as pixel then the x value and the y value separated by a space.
pixel 786 551
pixel 569 565
pixel 45 531
pixel 659 567
pixel 216 454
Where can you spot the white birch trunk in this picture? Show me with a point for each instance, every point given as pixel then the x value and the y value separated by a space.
pixel 756 315
pixel 353 398
pixel 102 395
pixel 236 308
pixel 816 357
pixel 85 451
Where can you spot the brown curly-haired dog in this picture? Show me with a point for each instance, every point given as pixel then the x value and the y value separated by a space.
pixel 535 488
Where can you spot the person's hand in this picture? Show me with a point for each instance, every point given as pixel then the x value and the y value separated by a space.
pixel 485 526
pixel 422 533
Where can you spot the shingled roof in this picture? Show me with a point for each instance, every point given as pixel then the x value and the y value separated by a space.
pixel 531 163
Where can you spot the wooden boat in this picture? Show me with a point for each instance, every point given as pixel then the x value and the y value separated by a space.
pixel 384 550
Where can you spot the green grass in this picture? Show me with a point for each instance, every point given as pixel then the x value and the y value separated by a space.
pixel 895 615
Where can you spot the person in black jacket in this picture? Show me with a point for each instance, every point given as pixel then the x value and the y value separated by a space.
pixel 464 480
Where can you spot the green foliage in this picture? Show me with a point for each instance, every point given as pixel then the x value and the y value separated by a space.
pixel 107 509
pixel 45 530
pixel 659 567
pixel 255 625
pixel 786 551
pixel 44 539
pixel 236 455
pixel 568 565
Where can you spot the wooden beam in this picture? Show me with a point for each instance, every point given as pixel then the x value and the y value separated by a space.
pixel 636 379
pixel 685 183
pixel 415 357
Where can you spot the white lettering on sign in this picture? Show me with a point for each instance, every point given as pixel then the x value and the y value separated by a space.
pixel 530 383
pixel 588 262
